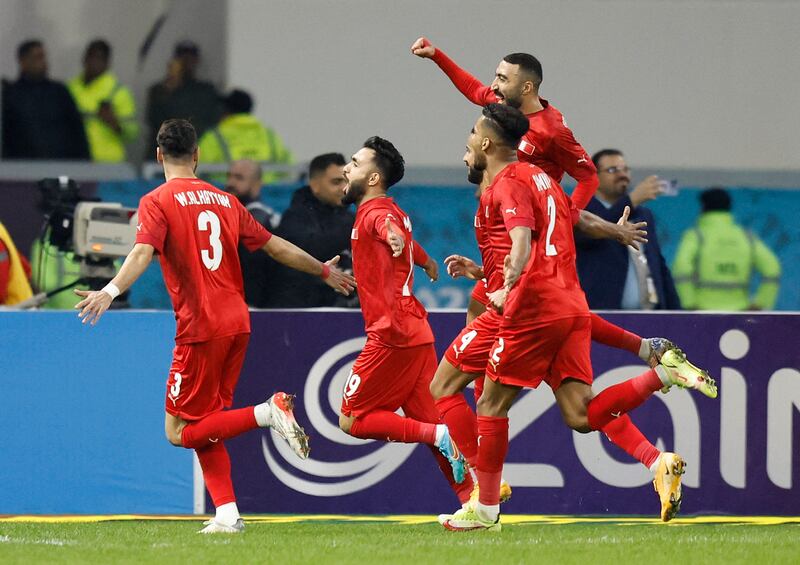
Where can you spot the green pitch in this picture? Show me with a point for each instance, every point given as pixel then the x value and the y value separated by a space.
pixel 418 540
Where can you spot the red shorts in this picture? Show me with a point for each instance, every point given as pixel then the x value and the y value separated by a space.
pixel 551 352
pixel 388 378
pixel 469 351
pixel 203 375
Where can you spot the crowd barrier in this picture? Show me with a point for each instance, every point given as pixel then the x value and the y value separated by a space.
pixel 82 419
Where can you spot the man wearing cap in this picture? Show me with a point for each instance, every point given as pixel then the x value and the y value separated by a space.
pixel 182 95
pixel 717 258
pixel 240 135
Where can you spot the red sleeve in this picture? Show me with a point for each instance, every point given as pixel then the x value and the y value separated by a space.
pixel 252 234
pixel 572 157
pixel 5 267
pixel 151 227
pixel 475 91
pixel 516 204
pixel 479 292
pixel 574 212
pixel 377 223
pixel 420 255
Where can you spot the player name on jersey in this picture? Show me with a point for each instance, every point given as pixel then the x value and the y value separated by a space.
pixel 202 197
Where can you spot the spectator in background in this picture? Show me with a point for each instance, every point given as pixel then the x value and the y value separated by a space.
pixel 616 277
pixel 181 94
pixel 14 272
pixel 240 135
pixel 244 182
pixel 40 120
pixel 716 259
pixel 317 220
pixel 107 106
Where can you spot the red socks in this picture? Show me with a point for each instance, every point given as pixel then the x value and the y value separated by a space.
pixel 218 426
pixel 624 434
pixel 607 333
pixel 461 423
pixel 621 398
pixel 493 433
pixel 463 489
pixel 217 472
pixel 388 426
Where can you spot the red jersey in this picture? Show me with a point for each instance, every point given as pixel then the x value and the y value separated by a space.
pixel 549 143
pixel 392 314
pixel 196 229
pixel 548 288
pixel 505 204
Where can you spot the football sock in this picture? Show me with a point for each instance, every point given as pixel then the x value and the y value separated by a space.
pixel 218 426
pixel 488 513
pixel 263 414
pixel 492 449
pixel 461 423
pixel 607 333
pixel 463 489
pixel 388 426
pixel 624 434
pixel 227 514
pixel 654 466
pixel 216 467
pixel 621 398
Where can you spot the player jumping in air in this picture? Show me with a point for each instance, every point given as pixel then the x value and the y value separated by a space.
pixel 549 144
pixel 395 368
pixel 196 229
pixel 545 330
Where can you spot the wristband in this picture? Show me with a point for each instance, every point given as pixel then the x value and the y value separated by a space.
pixel 326 271
pixel 112 290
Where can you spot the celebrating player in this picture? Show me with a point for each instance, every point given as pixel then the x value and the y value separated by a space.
pixel 545 331
pixel 465 360
pixel 395 367
pixel 196 229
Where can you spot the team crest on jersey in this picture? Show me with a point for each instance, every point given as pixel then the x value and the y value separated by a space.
pixel 354 233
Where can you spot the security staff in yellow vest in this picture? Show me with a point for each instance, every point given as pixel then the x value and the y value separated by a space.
pixel 240 135
pixel 716 260
pixel 107 107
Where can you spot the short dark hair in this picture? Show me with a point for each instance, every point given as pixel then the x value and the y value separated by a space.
pixel 238 102
pixel 320 163
pixel 177 138
pixel 100 45
pixel 508 122
pixel 390 163
pixel 27 46
pixel 605 153
pixel 529 65
pixel 715 198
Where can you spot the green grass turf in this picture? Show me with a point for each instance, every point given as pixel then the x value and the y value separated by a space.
pixel 358 543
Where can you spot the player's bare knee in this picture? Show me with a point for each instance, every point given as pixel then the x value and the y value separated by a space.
pixel 495 407
pixel 578 422
pixel 345 423
pixel 174 437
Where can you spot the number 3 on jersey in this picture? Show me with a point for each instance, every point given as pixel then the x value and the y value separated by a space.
pixel 208 220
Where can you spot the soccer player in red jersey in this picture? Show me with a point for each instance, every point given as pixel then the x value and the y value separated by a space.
pixel 395 367
pixel 549 144
pixel 545 331
pixel 196 229
pixel 465 359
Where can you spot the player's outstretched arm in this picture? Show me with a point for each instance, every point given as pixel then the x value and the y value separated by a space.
pixel 623 231
pixel 289 254
pixel 473 89
pixel 95 302
pixel 460 266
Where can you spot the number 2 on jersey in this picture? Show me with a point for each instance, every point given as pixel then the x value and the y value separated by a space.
pixel 549 248
pixel 208 220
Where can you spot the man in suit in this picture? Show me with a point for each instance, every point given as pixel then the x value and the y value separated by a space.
pixel 615 277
